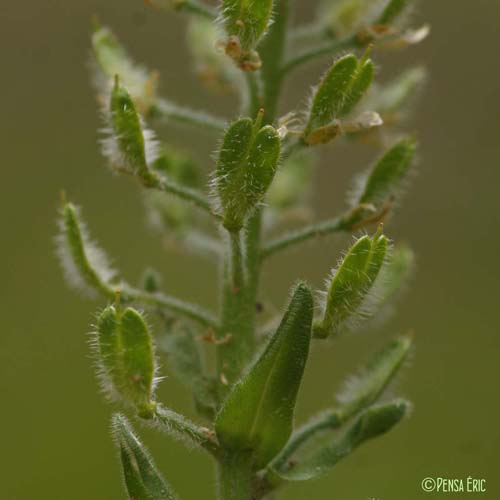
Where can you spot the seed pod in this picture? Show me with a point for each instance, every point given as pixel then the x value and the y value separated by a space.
pixel 340 89
pixel 351 283
pixel 392 11
pixel 246 166
pixel 112 59
pixel 245 23
pixel 366 388
pixel 142 479
pixel 125 353
pixel 130 147
pixel 213 68
pixel 388 174
pixel 257 415
pixel 395 97
pixel 372 423
pixel 85 265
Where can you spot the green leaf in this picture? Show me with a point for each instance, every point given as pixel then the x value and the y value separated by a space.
pixel 112 59
pixel 125 353
pixel 131 147
pixel 388 174
pixel 351 283
pixel 366 388
pixel 340 89
pixel 85 265
pixel 246 166
pixel 142 479
pixel 185 359
pixel 372 423
pixel 245 22
pixel 257 415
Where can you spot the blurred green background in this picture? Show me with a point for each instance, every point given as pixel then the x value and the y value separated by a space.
pixel 54 425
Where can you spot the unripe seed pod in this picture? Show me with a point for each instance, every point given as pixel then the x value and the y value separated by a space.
pixel 351 283
pixel 125 353
pixel 246 166
pixel 340 89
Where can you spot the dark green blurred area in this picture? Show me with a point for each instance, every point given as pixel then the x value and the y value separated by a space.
pixel 55 442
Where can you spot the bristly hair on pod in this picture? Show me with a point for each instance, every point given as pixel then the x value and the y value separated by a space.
pixel 119 159
pixel 86 266
pixel 104 372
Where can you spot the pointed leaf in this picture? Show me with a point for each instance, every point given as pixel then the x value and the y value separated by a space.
pixel 142 479
pixel 257 415
pixel 125 353
pixel 372 423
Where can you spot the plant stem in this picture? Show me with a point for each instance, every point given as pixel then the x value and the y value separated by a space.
pixel 324 50
pixel 173 304
pixel 272 51
pixel 175 423
pixel 235 336
pixel 313 231
pixel 166 110
pixel 235 477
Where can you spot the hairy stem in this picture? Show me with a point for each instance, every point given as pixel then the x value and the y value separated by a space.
pixel 166 110
pixel 313 231
pixel 235 339
pixel 235 477
pixel 186 309
pixel 328 49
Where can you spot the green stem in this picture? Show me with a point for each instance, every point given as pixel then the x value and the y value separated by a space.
pixel 328 49
pixel 253 103
pixel 235 477
pixel 272 51
pixel 166 110
pixel 179 425
pixel 313 231
pixel 235 338
pixel 191 311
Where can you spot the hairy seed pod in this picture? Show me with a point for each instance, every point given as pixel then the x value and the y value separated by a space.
pixel 257 415
pixel 351 283
pixel 373 422
pixel 125 354
pixel 388 173
pixel 340 89
pixel 112 59
pixel 246 165
pixel 142 479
